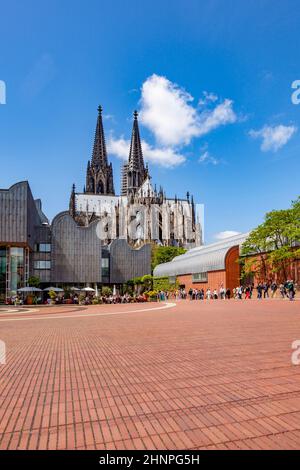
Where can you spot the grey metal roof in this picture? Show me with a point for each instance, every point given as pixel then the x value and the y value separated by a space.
pixel 201 259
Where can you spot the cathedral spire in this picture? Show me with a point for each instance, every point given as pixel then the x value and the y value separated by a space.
pixel 72 203
pixel 136 167
pixel 99 175
pixel 99 157
pixel 193 212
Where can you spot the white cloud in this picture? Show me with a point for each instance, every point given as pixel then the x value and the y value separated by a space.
pixel 207 98
pixel 108 117
pixel 226 234
pixel 167 111
pixel 166 157
pixel 119 147
pixel 222 114
pixel 206 157
pixel 273 137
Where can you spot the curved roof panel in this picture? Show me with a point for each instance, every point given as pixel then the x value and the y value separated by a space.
pixel 200 259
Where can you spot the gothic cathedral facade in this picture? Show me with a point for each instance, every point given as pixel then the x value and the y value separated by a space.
pixel 140 214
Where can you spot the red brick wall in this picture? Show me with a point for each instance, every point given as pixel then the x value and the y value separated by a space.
pixel 215 280
pixel 292 272
pixel 228 278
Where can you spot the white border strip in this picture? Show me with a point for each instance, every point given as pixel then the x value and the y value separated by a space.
pixel 86 315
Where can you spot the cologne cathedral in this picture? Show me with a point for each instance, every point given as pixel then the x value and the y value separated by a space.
pixel 142 213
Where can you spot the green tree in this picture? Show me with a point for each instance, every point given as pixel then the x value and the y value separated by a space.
pixel 147 281
pixel 34 281
pixel 164 254
pixel 138 284
pixel 163 283
pixel 106 291
pixel 274 243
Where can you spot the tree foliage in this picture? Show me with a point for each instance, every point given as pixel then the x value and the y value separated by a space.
pixel 34 281
pixel 139 284
pixel 106 291
pixel 147 281
pixel 164 254
pixel 274 243
pixel 164 284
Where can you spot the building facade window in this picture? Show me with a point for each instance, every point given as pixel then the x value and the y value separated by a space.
pixel 43 247
pixel 105 267
pixel 42 264
pixel 14 270
pixel 199 277
pixel 3 263
pixel 17 269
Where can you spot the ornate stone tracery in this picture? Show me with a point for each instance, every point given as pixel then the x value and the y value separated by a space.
pixel 162 220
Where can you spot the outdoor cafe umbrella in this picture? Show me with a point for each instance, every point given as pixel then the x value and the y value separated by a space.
pixel 88 289
pixel 55 289
pixel 75 289
pixel 29 289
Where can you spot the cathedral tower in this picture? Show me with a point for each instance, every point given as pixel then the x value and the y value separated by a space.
pixel 135 168
pixel 99 173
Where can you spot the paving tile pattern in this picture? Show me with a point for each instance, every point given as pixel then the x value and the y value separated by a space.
pixel 201 375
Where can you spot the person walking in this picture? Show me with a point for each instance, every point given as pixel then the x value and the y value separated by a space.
pixel 251 291
pixel 248 292
pixel 259 290
pixel 266 290
pixel 291 290
pixel 239 292
pixel 282 290
pixel 222 293
pixel 273 289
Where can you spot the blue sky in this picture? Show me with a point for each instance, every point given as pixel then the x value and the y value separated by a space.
pixel 235 147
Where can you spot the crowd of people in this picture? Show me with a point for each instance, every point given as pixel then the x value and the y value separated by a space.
pixel 115 299
pixel 88 299
pixel 263 290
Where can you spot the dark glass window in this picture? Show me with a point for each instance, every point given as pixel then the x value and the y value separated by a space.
pixel 2 273
pixel 42 264
pixel 43 247
pixel 17 268
pixel 199 277
pixel 105 267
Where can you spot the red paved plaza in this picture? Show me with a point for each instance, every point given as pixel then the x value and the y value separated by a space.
pixel 198 375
